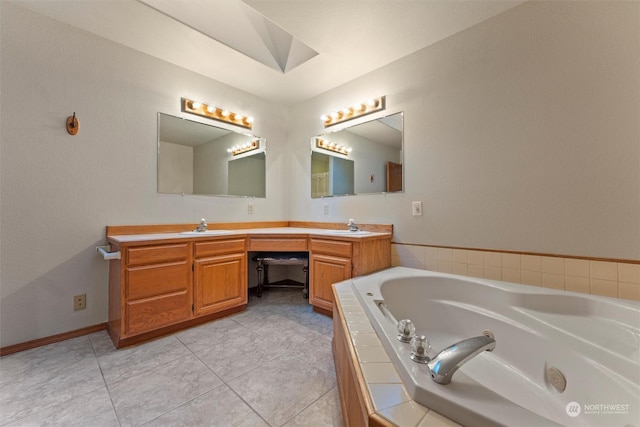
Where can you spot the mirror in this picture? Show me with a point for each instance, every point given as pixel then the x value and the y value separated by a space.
pixel 196 158
pixel 361 159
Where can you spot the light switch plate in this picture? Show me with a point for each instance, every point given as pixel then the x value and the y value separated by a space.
pixel 416 208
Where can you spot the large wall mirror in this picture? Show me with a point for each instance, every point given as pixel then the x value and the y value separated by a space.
pixel 197 158
pixel 361 159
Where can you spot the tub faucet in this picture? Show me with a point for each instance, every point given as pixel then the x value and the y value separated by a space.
pixel 447 362
pixel 351 225
pixel 202 227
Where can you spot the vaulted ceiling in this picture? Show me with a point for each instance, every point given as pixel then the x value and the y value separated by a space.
pixel 286 51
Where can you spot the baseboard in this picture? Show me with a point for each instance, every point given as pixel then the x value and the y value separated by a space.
pixel 15 348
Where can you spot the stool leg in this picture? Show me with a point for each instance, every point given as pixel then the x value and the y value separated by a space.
pixel 305 291
pixel 260 269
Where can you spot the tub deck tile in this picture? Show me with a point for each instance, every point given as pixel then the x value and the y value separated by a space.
pixel 407 414
pixel 380 373
pixel 387 395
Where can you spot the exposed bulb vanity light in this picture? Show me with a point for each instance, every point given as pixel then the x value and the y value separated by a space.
pixel 358 110
pixel 332 146
pixel 243 148
pixel 215 113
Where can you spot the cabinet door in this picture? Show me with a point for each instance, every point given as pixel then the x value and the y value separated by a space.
pixel 220 283
pixel 325 271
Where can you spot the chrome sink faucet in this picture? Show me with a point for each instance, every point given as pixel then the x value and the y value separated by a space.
pixel 351 225
pixel 446 363
pixel 202 227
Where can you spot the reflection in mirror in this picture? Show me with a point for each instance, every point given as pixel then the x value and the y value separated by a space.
pixel 196 158
pixel 372 163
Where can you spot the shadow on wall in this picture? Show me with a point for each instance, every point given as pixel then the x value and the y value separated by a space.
pixel 44 307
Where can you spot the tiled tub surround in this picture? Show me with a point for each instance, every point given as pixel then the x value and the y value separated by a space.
pixel 383 398
pixel 605 278
pixel 203 376
pixel 610 338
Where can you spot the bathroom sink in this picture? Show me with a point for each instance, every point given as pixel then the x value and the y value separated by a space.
pixel 349 232
pixel 206 233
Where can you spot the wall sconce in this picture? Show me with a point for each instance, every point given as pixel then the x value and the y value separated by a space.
pixel 239 149
pixel 332 146
pixel 358 110
pixel 215 113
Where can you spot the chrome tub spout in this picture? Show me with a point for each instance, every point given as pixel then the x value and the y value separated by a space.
pixel 447 362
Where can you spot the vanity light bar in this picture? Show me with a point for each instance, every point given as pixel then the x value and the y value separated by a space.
pixel 239 149
pixel 332 146
pixel 358 110
pixel 215 113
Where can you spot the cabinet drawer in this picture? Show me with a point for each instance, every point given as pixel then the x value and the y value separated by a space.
pixel 153 313
pixel 151 281
pixel 204 249
pixel 331 247
pixel 275 244
pixel 156 254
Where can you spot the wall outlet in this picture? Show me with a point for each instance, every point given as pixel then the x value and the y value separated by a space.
pixel 325 208
pixel 416 208
pixel 80 302
pixel 250 208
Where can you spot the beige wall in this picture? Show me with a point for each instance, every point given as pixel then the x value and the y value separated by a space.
pixel 521 134
pixel 58 192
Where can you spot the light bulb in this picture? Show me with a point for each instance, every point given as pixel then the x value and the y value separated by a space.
pixel 346 111
pixel 334 116
pixel 324 117
pixel 371 103
pixel 195 105
pixel 211 108
pixel 239 117
pixel 224 113
pixel 249 119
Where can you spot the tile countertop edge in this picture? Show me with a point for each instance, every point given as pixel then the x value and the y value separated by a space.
pixel 401 411
pixel 283 231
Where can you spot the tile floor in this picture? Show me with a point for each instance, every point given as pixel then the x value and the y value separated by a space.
pixel 268 366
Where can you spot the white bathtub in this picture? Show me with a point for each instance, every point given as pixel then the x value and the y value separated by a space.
pixel 593 341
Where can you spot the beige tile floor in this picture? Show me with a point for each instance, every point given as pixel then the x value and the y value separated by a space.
pixel 268 366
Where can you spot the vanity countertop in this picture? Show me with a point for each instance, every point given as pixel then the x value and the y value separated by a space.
pixel 251 232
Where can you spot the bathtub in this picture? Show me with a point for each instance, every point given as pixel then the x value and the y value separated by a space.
pixel 593 341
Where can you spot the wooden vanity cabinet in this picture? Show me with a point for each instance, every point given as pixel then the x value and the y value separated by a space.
pixel 329 262
pixel 333 261
pixel 157 288
pixel 161 286
pixel 220 280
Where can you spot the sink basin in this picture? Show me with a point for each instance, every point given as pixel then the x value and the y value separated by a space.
pixel 349 232
pixel 206 233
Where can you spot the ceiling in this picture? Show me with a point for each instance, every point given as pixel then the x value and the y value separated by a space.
pixel 351 37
